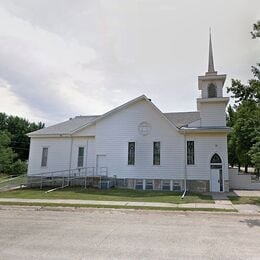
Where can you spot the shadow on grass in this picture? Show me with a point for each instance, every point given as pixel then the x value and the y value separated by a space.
pixel 115 192
pixel 245 200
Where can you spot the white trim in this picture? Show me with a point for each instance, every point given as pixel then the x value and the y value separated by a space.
pixel 222 164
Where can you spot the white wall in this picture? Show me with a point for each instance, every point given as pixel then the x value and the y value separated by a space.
pixel 112 136
pixel 241 181
pixel 89 151
pixel 213 114
pixel 205 146
pixel 59 153
pixel 114 132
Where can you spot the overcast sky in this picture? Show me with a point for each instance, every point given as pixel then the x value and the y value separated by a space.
pixel 62 58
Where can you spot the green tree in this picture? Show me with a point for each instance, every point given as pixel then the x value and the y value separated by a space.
pixel 18 128
pixel 7 155
pixel 232 153
pixel 254 154
pixel 256 30
pixel 245 122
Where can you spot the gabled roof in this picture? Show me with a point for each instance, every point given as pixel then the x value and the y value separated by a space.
pixel 78 123
pixel 125 105
pixel 64 128
pixel 183 118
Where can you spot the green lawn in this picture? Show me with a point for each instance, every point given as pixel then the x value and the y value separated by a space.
pixel 111 194
pixel 244 200
pixel 6 180
pixel 3 177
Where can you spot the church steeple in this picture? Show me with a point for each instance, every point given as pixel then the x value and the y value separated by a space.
pixel 211 61
pixel 212 104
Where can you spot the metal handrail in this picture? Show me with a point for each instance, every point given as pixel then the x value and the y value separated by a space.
pixel 60 171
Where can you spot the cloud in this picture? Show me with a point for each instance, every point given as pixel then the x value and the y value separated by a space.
pixel 63 58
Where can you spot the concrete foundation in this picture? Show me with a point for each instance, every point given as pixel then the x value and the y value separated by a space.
pixel 198 185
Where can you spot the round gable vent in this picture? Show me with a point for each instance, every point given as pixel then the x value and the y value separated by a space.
pixel 144 128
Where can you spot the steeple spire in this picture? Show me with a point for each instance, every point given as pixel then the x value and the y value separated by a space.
pixel 211 61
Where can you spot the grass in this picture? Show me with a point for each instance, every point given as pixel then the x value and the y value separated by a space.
pixel 245 200
pixel 7 180
pixel 108 195
pixel 116 207
pixel 3 177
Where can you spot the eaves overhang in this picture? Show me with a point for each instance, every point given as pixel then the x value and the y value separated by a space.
pixel 199 130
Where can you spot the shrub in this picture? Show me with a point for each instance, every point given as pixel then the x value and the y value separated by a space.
pixel 19 167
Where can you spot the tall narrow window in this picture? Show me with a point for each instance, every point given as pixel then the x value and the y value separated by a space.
pixel 81 157
pixel 131 153
pixel 190 152
pixel 44 157
pixel 156 153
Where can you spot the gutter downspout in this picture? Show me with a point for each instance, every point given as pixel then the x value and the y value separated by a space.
pixel 185 168
pixel 71 145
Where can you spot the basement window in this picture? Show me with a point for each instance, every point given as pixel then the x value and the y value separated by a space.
pixel 176 186
pixel 138 184
pixel 149 184
pixel 166 185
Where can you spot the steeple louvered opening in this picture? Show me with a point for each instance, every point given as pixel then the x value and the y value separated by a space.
pixel 212 90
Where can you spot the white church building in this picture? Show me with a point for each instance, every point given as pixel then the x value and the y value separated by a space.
pixel 141 147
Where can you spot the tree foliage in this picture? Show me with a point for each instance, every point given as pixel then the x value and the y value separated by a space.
pixel 254 154
pixel 18 128
pixel 14 143
pixel 256 30
pixel 7 155
pixel 244 120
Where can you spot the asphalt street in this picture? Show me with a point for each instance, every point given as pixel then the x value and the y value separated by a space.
pixel 33 233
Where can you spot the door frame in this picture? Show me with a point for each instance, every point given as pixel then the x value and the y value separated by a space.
pixel 97 162
pixel 211 180
pixel 219 167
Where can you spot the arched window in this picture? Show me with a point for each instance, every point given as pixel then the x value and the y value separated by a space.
pixel 212 91
pixel 215 159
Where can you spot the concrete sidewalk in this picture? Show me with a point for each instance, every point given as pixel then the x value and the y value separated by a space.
pixel 221 202
pixel 121 203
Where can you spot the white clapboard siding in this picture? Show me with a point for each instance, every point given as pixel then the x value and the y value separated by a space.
pixel 110 145
pixel 205 146
pixel 89 151
pixel 114 132
pixel 59 150
pixel 58 154
pixel 213 115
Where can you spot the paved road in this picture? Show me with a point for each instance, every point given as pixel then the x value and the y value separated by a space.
pixel 126 234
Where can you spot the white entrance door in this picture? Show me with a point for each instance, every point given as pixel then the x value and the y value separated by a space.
pixel 101 164
pixel 215 180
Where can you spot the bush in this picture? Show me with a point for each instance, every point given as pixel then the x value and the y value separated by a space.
pixel 19 167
